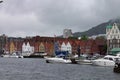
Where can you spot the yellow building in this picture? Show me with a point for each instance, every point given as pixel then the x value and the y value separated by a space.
pixel 41 48
pixel 12 47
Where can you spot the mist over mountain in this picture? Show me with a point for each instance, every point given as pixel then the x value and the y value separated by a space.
pixel 99 29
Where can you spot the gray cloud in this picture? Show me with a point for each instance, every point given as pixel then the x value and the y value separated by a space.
pixel 49 17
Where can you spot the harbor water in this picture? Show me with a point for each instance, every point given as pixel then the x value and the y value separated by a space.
pixel 38 69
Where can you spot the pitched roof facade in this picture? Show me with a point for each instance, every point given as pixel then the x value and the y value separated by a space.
pixel 86 46
pixel 113 37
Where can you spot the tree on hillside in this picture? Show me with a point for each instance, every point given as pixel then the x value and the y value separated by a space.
pixel 72 38
pixel 101 37
pixel 84 37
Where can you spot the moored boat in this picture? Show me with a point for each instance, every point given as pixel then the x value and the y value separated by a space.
pixel 57 60
pixel 36 55
pixel 60 57
pixel 14 55
pixel 116 68
pixel 81 60
pixel 108 60
pixel 84 61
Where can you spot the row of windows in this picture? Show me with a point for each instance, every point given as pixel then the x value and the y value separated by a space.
pixel 115 31
pixel 66 47
pixel 117 36
pixel 114 41
pixel 115 46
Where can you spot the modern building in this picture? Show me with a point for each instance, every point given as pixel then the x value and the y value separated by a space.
pixel 67 33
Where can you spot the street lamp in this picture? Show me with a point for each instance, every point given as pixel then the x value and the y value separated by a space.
pixel 1 1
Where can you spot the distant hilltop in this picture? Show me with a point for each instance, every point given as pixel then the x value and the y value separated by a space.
pixel 99 29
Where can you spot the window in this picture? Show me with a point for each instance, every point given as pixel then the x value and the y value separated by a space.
pixel 110 59
pixel 106 58
pixel 111 36
pixel 113 32
pixel 110 41
pixel 113 45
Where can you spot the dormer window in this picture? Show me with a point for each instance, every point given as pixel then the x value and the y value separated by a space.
pixel 114 24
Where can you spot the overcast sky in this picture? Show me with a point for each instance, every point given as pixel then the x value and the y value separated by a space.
pixel 49 17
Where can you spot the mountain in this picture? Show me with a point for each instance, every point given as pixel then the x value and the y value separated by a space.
pixel 99 29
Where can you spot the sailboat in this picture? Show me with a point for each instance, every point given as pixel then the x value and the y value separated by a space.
pixel 61 58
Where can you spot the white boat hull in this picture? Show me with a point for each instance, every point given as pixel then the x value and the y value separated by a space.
pixel 57 60
pixel 84 61
pixel 12 56
pixel 102 62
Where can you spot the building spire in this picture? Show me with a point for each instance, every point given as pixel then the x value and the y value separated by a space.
pixel 115 24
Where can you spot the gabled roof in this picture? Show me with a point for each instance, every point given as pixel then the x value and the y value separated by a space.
pixel 63 44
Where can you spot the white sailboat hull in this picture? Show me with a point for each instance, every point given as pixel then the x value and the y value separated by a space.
pixel 57 60
pixel 103 62
pixel 84 61
pixel 12 56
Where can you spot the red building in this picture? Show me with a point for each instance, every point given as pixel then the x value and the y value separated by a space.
pixel 46 44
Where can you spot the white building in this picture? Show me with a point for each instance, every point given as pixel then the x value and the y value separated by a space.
pixel 27 49
pixel 113 36
pixel 69 47
pixel 66 47
pixel 63 47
